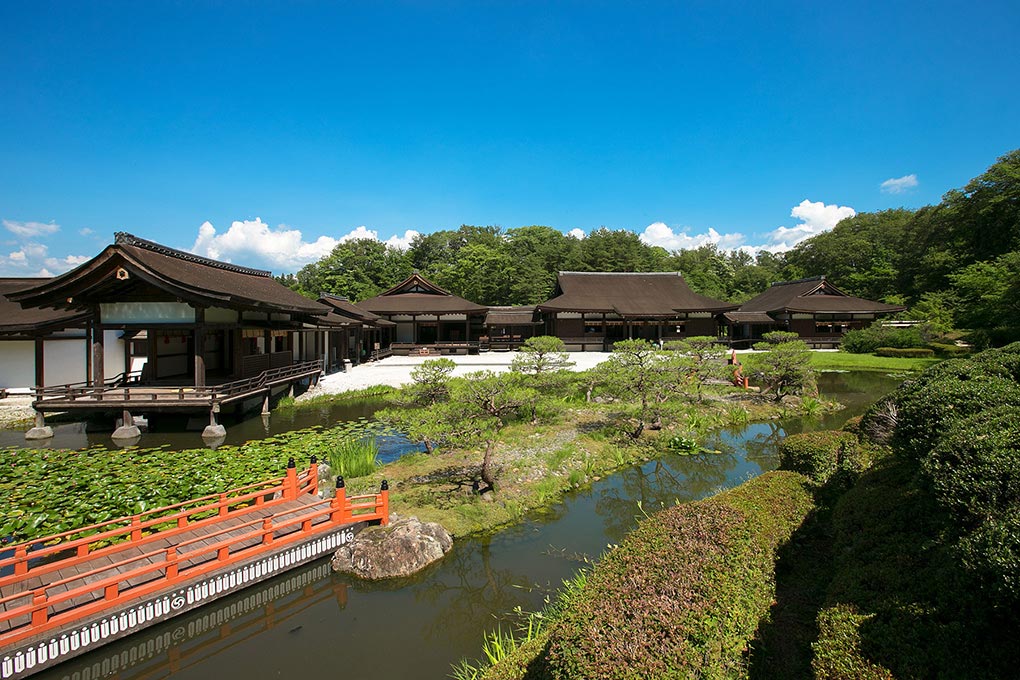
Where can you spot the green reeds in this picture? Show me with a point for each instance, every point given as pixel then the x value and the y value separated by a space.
pixel 354 457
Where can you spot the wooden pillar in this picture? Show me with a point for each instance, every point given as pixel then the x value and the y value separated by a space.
pixel 40 356
pixel 267 338
pixel 199 337
pixel 88 352
pixel 98 343
pixel 414 329
pixel 301 346
pixel 127 338
pixel 467 328
pixel 151 353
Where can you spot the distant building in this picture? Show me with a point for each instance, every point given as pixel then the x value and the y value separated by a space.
pixel 425 315
pixel 371 336
pixel 510 327
pixel 812 308
pixel 592 310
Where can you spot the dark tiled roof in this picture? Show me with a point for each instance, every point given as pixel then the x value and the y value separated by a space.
pixel 511 316
pixel 16 319
pixel 183 275
pixel 749 317
pixel 654 294
pixel 345 307
pixel 418 295
pixel 814 295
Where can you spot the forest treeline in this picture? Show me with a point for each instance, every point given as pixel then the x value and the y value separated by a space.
pixel 956 263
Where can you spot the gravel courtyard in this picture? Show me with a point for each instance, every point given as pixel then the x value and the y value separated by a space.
pixel 396 371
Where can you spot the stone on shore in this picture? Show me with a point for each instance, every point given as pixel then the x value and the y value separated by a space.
pixel 403 548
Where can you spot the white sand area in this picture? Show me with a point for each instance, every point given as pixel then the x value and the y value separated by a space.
pixel 396 371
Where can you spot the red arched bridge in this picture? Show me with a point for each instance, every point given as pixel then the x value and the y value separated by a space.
pixel 66 594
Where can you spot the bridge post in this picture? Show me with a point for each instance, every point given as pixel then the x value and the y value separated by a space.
pixel 290 481
pixel 265 404
pixel 313 476
pixel 384 498
pixel 339 504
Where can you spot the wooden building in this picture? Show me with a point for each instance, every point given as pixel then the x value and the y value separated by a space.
pixel 592 310
pixel 813 308
pixel 426 317
pixel 509 327
pixel 40 345
pixel 226 332
pixel 371 336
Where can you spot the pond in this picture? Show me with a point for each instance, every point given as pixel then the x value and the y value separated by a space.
pixel 186 434
pixel 313 623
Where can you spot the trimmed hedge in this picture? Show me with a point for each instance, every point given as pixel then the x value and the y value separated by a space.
pixel 905 353
pixel 683 595
pixel 944 349
pixel 837 654
pixel 821 455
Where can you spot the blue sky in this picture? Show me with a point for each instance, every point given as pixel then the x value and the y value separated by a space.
pixel 264 132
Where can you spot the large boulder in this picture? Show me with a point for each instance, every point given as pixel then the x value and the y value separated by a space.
pixel 403 548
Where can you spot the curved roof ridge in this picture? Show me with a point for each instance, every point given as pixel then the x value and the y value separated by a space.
pixel 627 273
pixel 806 279
pixel 126 239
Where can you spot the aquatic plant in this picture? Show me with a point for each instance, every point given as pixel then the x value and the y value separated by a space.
pixel 353 458
pixel 53 490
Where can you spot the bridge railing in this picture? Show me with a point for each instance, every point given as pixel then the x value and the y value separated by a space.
pixel 49 553
pixel 43 608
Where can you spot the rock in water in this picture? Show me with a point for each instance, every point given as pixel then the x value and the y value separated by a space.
pixel 403 548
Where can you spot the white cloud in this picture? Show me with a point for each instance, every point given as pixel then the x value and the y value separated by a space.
pixel 661 234
pixel 30 229
pixel 815 218
pixel 402 242
pixel 86 232
pixel 282 248
pixel 33 260
pixel 65 263
pixel 253 239
pixel 898 185
pixel 577 233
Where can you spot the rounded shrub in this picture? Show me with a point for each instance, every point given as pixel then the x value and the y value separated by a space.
pixel 820 455
pixel 927 408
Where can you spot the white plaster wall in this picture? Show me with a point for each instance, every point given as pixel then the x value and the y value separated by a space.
pixel 113 355
pixel 64 361
pixel 17 364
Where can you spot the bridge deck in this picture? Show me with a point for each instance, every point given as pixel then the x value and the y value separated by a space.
pixel 62 594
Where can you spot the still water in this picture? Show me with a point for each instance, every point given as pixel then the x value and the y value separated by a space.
pixel 313 623
pixel 186 433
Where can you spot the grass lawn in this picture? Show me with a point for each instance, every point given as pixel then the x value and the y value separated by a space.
pixel 844 361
